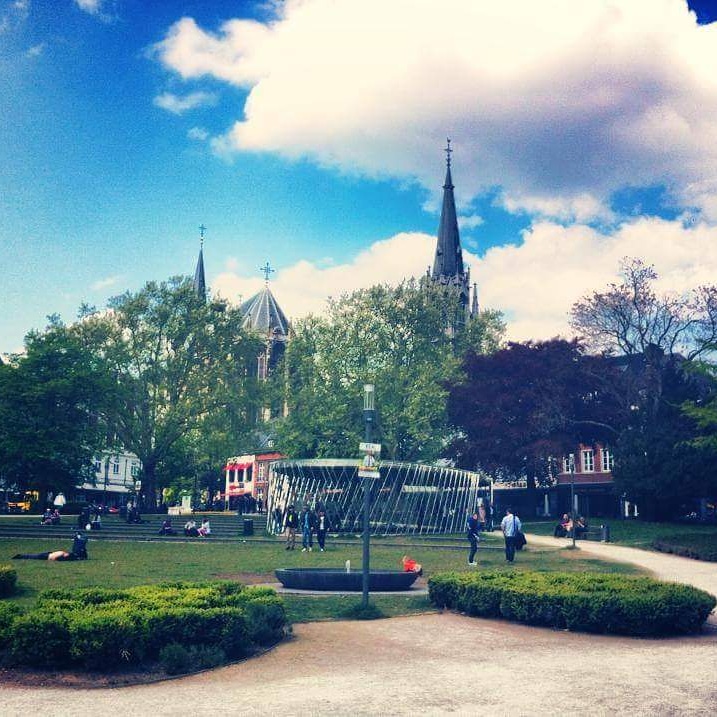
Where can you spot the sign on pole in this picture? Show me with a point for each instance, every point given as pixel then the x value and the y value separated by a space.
pixel 370 447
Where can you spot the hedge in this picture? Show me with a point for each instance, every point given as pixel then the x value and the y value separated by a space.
pixel 699 547
pixel 586 602
pixel 8 580
pixel 106 629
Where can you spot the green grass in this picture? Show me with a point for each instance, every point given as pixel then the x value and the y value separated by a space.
pixel 634 533
pixel 124 564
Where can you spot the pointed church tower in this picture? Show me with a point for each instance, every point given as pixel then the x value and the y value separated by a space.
pixel 448 267
pixel 200 284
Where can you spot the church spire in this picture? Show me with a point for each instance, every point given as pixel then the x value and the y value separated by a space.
pixel 448 261
pixel 200 285
pixel 448 269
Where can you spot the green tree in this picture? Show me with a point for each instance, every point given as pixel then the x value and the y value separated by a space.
pixel 666 455
pixel 651 334
pixel 176 362
pixel 51 400
pixel 393 338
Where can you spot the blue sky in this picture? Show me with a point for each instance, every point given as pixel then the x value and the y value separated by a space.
pixel 310 134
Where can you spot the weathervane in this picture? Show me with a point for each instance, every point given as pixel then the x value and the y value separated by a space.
pixel 266 270
pixel 202 229
pixel 448 151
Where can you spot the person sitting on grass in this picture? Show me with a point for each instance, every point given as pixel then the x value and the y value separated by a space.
pixel 411 566
pixel 204 529
pixel 46 518
pixel 166 528
pixel 79 546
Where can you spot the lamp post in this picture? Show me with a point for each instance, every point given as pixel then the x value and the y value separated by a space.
pixel 369 410
pixel 571 463
pixel 107 475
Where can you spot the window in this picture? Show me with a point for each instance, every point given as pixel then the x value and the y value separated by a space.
pixel 566 465
pixel 134 470
pixel 262 468
pixel 588 460
pixel 115 466
pixel 97 466
pixel 608 460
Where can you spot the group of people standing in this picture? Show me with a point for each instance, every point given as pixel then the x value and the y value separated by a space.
pixel 510 526
pixel 309 522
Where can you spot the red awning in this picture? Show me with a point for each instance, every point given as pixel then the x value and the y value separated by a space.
pixel 237 466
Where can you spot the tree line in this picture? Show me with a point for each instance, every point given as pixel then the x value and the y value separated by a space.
pixel 170 377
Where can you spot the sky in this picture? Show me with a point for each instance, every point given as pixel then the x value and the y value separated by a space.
pixel 310 134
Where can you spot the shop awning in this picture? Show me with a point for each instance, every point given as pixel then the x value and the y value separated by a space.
pixel 237 466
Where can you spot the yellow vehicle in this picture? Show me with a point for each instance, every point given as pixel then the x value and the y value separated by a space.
pixel 21 502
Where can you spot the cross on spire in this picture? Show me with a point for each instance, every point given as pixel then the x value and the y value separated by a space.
pixel 202 229
pixel 448 151
pixel 266 270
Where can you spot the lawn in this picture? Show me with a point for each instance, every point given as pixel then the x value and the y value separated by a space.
pixel 635 533
pixel 123 564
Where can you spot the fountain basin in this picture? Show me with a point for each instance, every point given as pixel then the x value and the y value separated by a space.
pixel 339 580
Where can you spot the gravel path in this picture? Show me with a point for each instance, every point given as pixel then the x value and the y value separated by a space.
pixel 435 664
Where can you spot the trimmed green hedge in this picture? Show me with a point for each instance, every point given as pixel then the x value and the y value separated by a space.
pixel 106 629
pixel 586 602
pixel 8 580
pixel 699 547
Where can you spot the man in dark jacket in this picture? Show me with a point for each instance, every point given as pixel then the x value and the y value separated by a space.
pixel 291 523
pixel 473 526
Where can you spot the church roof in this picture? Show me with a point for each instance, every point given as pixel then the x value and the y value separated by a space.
pixel 448 261
pixel 263 314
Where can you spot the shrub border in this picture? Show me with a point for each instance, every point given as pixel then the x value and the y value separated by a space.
pixel 580 602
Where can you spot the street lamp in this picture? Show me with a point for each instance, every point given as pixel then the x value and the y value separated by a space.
pixel 107 474
pixel 571 463
pixel 369 411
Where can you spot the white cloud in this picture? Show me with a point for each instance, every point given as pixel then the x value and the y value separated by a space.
pixel 197 133
pixel 105 283
pixel 534 283
pixel 560 104
pixel 304 287
pixel 94 7
pixel 36 50
pixel 470 221
pixel 177 104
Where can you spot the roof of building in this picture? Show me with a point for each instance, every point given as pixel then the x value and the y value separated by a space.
pixel 263 314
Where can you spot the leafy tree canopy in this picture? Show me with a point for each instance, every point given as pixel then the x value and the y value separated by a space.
pixel 393 338
pixel 51 400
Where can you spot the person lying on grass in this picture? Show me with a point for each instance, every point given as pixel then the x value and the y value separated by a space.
pixel 78 552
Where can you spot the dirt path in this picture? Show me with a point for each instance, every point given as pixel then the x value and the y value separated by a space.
pixel 431 664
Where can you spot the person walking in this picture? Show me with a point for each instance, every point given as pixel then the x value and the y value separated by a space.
pixel 291 523
pixel 473 526
pixel 307 529
pixel 510 525
pixel 322 527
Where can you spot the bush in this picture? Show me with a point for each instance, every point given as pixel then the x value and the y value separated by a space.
pixel 40 639
pixel 176 659
pixel 699 547
pixel 105 629
pixel 8 580
pixel 584 602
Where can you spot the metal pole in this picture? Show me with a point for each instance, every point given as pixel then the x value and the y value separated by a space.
pixel 368 413
pixel 366 514
pixel 572 493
